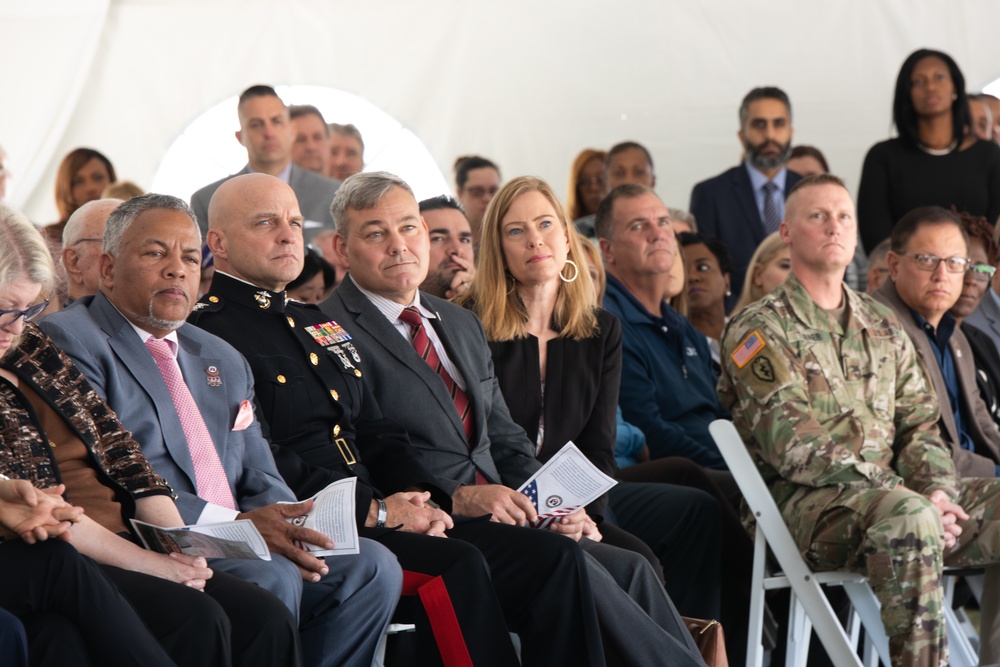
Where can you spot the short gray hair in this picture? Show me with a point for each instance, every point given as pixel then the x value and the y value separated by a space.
pixel 346 130
pixel 680 215
pixel 361 192
pixel 123 217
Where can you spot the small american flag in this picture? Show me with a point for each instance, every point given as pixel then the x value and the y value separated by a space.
pixel 532 492
pixel 746 350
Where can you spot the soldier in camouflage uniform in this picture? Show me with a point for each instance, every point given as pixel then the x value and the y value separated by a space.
pixel 826 390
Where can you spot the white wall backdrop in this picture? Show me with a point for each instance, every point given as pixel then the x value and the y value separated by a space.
pixel 526 83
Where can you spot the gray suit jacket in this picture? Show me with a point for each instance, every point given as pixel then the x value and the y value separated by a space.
pixel 110 354
pixel 314 192
pixel 976 416
pixel 986 318
pixel 412 394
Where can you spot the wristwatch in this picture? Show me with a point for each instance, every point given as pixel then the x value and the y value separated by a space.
pixel 383 512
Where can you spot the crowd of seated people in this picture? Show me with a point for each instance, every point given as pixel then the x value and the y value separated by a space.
pixel 438 352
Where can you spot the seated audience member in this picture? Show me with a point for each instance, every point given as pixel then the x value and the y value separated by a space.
pixel 768 268
pixel 980 117
pixel 586 189
pixel 82 240
pixel 807 161
pixel 323 242
pixel 744 204
pixel 928 263
pixel 57 430
pixel 488 577
pixel 844 430
pixel 13 641
pixel 878 266
pixel 557 359
pixel 707 264
pixel 477 181
pixel 668 385
pixel 82 176
pixel 207 270
pixel 466 434
pixel 984 253
pixel 123 190
pixel 347 152
pixel 452 260
pixel 266 134
pixel 682 221
pixel 187 396
pixel 315 282
pixel 986 318
pixel 310 138
pixel 934 160
pixel 629 162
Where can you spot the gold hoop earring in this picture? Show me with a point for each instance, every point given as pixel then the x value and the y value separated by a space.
pixel 576 272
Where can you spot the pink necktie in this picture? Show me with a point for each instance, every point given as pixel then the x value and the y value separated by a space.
pixel 210 478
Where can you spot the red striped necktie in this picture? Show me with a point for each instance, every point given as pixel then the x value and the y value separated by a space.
pixel 422 344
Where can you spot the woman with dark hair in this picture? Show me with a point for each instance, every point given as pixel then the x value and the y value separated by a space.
pixel 317 280
pixel 935 160
pixel 709 271
pixel 807 161
pixel 83 174
pixel 984 253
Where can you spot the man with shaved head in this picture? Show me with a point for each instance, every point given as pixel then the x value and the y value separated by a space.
pixel 82 238
pixel 188 399
pixel 832 401
pixel 324 425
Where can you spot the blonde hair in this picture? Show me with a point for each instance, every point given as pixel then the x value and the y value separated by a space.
pixel 497 302
pixel 574 207
pixel 764 255
pixel 23 253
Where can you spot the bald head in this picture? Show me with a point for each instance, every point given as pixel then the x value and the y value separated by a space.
pixel 81 252
pixel 255 230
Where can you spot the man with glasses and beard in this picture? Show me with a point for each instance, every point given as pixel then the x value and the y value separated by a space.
pixel 744 204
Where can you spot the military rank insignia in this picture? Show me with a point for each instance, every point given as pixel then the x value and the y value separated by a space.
pixel 328 333
pixel 212 376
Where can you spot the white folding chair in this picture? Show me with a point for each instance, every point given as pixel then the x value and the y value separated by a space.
pixel 393 629
pixel 809 606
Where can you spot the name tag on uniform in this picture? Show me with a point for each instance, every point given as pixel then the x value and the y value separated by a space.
pixel 328 333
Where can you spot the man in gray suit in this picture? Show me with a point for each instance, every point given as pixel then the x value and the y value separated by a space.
pixel 266 132
pixel 383 240
pixel 928 262
pixel 149 281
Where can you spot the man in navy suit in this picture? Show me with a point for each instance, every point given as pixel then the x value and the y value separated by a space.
pixel 744 204
pixel 150 272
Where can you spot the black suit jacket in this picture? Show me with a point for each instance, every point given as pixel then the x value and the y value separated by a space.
pixel 725 207
pixel 581 393
pixel 416 397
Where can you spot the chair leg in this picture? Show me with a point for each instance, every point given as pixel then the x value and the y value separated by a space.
pixel 755 631
pixel 959 648
pixel 868 610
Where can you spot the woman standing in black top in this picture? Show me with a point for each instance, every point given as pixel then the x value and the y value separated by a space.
pixel 935 160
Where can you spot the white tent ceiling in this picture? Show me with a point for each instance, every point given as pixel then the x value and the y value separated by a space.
pixel 526 83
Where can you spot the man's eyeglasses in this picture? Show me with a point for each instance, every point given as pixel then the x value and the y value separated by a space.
pixel 931 262
pixel 982 273
pixel 8 317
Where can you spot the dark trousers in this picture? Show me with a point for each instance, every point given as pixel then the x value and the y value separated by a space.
pixel 232 622
pixel 502 579
pixel 65 597
pixel 13 641
pixel 736 547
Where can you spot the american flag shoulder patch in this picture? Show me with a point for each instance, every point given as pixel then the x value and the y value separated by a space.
pixel 746 350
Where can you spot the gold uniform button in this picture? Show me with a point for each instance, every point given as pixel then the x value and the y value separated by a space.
pixel 357 372
pixel 336 430
pixel 314 359
pixel 291 322
pixel 336 396
pixel 213 299
pixel 281 379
